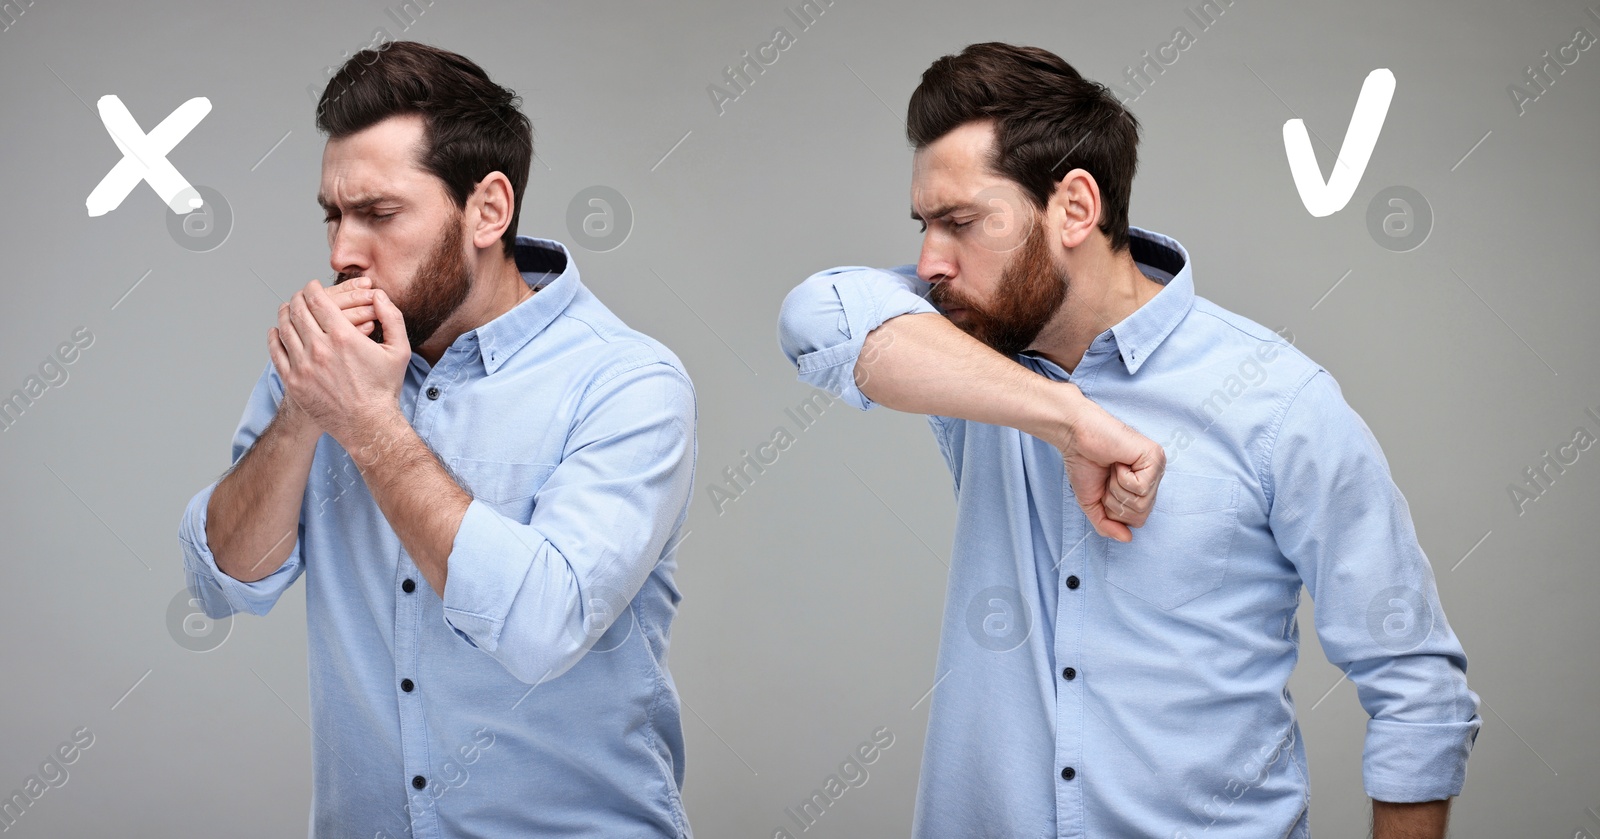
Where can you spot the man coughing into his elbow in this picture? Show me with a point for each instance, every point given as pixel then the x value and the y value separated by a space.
pixel 1090 686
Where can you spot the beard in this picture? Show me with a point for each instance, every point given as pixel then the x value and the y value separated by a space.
pixel 437 289
pixel 1031 289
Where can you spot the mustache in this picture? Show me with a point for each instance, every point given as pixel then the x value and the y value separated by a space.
pixel 942 297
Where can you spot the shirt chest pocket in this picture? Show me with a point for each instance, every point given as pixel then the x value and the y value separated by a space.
pixel 508 488
pixel 1182 550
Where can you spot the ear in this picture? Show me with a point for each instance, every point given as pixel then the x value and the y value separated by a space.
pixel 489 209
pixel 1075 204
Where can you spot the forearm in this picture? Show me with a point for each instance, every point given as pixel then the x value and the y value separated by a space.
pixel 254 513
pixel 922 363
pixel 415 493
pixel 1421 820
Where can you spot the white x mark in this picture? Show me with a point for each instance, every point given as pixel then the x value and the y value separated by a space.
pixel 144 157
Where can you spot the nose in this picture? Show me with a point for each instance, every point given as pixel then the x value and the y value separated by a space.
pixel 347 250
pixel 935 264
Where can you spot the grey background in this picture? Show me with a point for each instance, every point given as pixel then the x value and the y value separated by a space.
pixel 813 602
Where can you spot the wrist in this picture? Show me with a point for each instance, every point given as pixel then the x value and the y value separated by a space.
pixel 295 422
pixel 1063 405
pixel 369 437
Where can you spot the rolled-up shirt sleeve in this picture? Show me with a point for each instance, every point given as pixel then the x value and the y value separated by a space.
pixel 219 594
pixel 825 320
pixel 536 596
pixel 1337 514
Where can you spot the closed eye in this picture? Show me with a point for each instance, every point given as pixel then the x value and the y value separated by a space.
pixel 334 216
pixel 953 225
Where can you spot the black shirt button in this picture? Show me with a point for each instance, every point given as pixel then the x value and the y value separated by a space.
pixel 408 586
pixel 1069 674
pixel 433 392
pixel 1072 581
pixel 406 685
pixel 1068 774
pixel 419 782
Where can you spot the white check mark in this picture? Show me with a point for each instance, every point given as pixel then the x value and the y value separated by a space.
pixel 1323 199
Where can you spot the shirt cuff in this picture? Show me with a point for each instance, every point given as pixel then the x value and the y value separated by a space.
pixel 221 595
pixel 489 562
pixel 848 302
pixel 1408 761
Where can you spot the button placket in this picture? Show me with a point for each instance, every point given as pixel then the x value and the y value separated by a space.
pixel 1071 618
pixel 414 752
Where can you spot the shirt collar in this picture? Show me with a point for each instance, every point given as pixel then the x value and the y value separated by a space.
pixel 1163 259
pixel 547 265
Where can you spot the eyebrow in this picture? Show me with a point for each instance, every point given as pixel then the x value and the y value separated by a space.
pixel 937 212
pixel 361 202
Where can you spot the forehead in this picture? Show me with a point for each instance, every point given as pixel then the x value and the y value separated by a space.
pixel 381 159
pixel 953 168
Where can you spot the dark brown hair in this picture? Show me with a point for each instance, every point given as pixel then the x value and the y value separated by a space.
pixel 1048 119
pixel 472 126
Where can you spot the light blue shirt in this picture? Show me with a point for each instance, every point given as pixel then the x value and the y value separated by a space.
pixel 533 699
pixel 1091 688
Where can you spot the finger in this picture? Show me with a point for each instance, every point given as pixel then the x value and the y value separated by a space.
pixel 280 359
pixel 1130 488
pixel 1128 480
pixel 1149 481
pixel 1150 466
pixel 1119 503
pixel 1089 489
pixel 344 296
pixel 358 315
pixel 1106 526
pixel 1130 510
pixel 394 323
pixel 327 315
pixel 301 319
pixel 289 336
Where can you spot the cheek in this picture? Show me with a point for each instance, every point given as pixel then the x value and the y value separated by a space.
pixel 983 282
pixel 395 266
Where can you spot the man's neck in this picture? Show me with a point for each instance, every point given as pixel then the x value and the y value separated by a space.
pixel 497 288
pixel 1099 296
